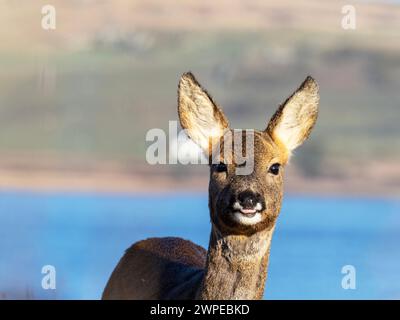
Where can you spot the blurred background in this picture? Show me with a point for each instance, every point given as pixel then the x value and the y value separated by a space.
pixel 76 104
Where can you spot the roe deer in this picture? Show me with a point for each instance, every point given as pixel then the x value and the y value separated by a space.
pixel 243 208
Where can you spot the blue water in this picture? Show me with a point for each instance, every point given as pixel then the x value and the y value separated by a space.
pixel 84 234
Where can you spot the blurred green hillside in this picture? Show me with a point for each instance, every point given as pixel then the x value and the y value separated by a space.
pixel 95 102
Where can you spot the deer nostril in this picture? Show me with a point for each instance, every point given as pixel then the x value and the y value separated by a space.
pixel 248 199
pixel 247 203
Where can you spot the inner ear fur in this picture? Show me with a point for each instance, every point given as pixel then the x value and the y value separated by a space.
pixel 203 120
pixel 292 123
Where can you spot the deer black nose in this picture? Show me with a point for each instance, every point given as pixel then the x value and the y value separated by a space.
pixel 249 199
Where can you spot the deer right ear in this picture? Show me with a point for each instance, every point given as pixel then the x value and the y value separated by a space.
pixel 203 120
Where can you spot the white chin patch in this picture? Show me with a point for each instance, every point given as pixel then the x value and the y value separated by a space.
pixel 242 219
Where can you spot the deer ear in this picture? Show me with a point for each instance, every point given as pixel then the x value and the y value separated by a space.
pixel 291 124
pixel 203 120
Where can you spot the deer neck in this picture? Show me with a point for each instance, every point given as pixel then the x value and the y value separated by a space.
pixel 236 266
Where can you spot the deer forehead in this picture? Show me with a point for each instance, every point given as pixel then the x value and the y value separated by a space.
pixel 261 148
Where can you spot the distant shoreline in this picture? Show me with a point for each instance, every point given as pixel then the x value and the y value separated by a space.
pixel 118 181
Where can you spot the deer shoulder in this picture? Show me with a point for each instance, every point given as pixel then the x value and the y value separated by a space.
pixel 158 268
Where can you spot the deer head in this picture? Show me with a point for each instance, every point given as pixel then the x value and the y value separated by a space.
pixel 243 204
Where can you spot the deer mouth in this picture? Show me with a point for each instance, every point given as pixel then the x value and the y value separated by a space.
pixel 248 212
pixel 247 219
pixel 247 216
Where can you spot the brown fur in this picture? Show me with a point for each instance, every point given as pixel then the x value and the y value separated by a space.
pixel 235 265
pixel 158 268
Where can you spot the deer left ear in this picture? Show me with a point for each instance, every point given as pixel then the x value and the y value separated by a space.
pixel 292 122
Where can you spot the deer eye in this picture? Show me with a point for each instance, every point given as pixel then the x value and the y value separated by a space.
pixel 221 167
pixel 274 169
